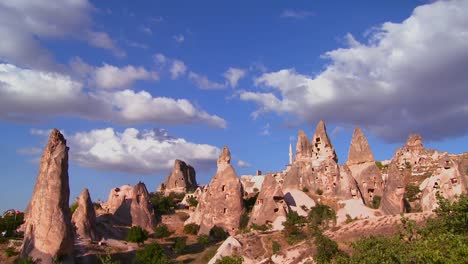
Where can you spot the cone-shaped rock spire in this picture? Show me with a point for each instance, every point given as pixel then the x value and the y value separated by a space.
pixel 84 218
pixel 359 151
pixel 321 145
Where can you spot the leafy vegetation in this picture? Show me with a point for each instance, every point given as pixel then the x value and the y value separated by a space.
pixel 107 259
pixel 230 260
pixel 180 244
pixel 152 254
pixel 379 165
pixel 244 221
pixel 203 239
pixel 27 260
pixel 161 231
pixel 250 202
pixel 305 189
pixel 319 191
pixel 137 235
pixel 327 249
pixel 10 251
pixel 261 227
pixel 192 201
pixel 275 247
pixel 165 204
pixel 412 192
pixel 321 215
pixel 10 223
pixel 292 228
pixel 73 207
pixel 191 229
pixel 376 201
pixel 218 234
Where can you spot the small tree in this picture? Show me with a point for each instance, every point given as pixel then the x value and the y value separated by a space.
pixel 230 260
pixel 179 245
pixel 376 201
pixel 161 231
pixel 203 240
pixel 412 192
pixel 137 235
pixel 191 229
pixel 244 221
pixel 218 234
pixel 152 254
pixel 192 201
pixel 305 189
pixel 319 191
pixel 321 215
pixel 275 247
pixel 292 227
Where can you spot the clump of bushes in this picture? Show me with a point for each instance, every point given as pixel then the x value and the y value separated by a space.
pixel 243 221
pixel 191 229
pixel 376 201
pixel 179 245
pixel 203 239
pixel 9 224
pixel 412 192
pixel 192 201
pixel 293 228
pixel 161 231
pixel 261 227
pixel 152 254
pixel 218 234
pixel 321 215
pixel 10 252
pixel 230 260
pixel 275 247
pixel 305 189
pixel 250 202
pixel 165 204
pixel 137 234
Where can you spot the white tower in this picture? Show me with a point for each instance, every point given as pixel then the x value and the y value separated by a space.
pixel 290 153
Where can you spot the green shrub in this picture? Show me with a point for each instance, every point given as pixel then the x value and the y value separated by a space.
pixel 161 231
pixel 27 260
pixel 292 228
pixel 203 239
pixel 152 254
pixel 3 240
pixel 191 229
pixel 321 215
pixel 179 245
pixel 137 235
pixel 412 192
pixel 10 252
pixel 379 165
pixel 275 247
pixel 97 206
pixel 376 201
pixel 305 189
pixel 261 227
pixel 230 260
pixel 244 221
pixel 73 207
pixel 192 201
pixel 165 204
pixel 10 223
pixel 319 191
pixel 250 202
pixel 326 248
pixel 107 259
pixel 218 234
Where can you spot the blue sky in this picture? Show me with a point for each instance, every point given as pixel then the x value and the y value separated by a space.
pixel 135 85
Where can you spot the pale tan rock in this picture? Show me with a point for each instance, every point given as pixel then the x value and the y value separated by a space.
pixel 322 148
pixel 182 179
pixel 359 151
pixel 141 208
pixel 84 217
pixel 48 228
pixel 270 203
pixel 118 203
pixel 303 147
pixel 221 202
pixel 392 200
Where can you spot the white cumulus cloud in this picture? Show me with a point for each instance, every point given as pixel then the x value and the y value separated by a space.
pixel 408 77
pixel 109 76
pixel 233 75
pixel 178 69
pixel 203 82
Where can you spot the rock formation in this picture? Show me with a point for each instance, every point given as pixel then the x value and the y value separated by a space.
pixel 392 198
pixel 118 201
pixel 363 168
pixel 48 228
pixel 270 203
pixel 303 147
pixel 84 218
pixel 221 202
pixel 322 149
pixel 413 156
pixel 141 208
pixel 180 180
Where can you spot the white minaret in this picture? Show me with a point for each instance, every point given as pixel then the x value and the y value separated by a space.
pixel 290 153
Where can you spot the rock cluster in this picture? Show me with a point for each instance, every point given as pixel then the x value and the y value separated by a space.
pixel 221 202
pixel 84 217
pixel 392 200
pixel 48 228
pixel 180 180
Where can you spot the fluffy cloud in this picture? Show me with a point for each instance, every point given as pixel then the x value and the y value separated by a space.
pixel 243 164
pixel 408 77
pixel 28 94
pixel 138 152
pixel 109 76
pixel 23 23
pixel 203 82
pixel 178 68
pixel 233 75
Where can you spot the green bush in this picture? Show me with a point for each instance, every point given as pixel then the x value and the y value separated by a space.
pixel 165 204
pixel 10 223
pixel 27 260
pixel 192 201
pixel 191 229
pixel 321 215
pixel 327 249
pixel 379 165
pixel 244 221
pixel 73 207
pixel 137 235
pixel 275 247
pixel 107 259
pixel 293 228
pixel 305 189
pixel 10 252
pixel 376 201
pixel 261 227
pixel 230 260
pixel 161 231
pixel 179 245
pixel 319 191
pixel 152 254
pixel 218 234
pixel 411 192
pixel 203 239
pixel 250 202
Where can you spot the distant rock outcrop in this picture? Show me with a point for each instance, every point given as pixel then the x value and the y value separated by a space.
pixel 48 228
pixel 141 208
pixel 363 168
pixel 392 200
pixel 221 202
pixel 322 148
pixel 84 218
pixel 303 147
pixel 270 203
pixel 180 180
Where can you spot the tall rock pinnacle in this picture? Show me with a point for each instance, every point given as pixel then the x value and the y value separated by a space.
pixel 321 144
pixel 359 151
pixel 84 218
pixel 48 228
pixel 303 149
pixel 181 179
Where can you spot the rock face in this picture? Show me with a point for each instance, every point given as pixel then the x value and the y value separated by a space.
pixel 363 169
pixel 84 218
pixel 221 202
pixel 48 228
pixel 322 149
pixel 392 199
pixel 270 203
pixel 180 180
pixel 119 201
pixel 303 147
pixel 141 208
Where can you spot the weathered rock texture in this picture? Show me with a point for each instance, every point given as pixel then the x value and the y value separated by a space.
pixel 363 169
pixel 221 202
pixel 392 199
pixel 322 149
pixel 84 218
pixel 303 147
pixel 180 180
pixel 270 203
pixel 141 208
pixel 48 228
pixel 118 201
